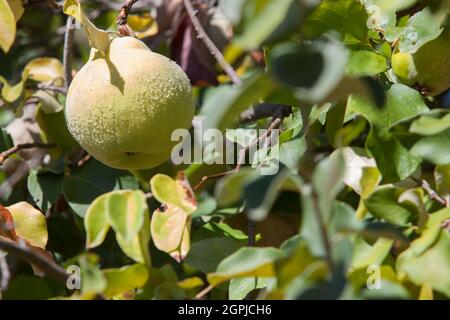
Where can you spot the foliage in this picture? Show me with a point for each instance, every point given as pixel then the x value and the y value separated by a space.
pixel 363 186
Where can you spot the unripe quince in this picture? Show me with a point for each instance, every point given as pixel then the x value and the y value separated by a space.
pixel 122 109
pixel 429 66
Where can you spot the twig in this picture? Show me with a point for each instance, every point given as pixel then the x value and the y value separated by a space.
pixel 124 29
pixel 265 110
pixel 48 87
pixel 276 122
pixel 205 291
pixel 432 193
pixel 209 44
pixel 5 273
pixel 323 231
pixel 67 54
pixel 251 224
pixel 7 153
pixel 149 195
pixel 23 251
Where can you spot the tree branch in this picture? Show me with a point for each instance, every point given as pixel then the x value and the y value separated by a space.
pixel 432 193
pixel 48 87
pixel 7 153
pixel 265 110
pixel 124 29
pixel 209 44
pixel 5 273
pixel 276 122
pixel 23 251
pixel 67 54
pixel 323 230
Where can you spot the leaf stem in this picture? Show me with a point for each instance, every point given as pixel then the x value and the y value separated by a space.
pixel 7 153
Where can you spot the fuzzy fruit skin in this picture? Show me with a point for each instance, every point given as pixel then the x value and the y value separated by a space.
pixel 123 111
pixel 429 66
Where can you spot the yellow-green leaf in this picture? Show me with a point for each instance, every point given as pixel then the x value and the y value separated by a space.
pixel 44 69
pixel 7 26
pixel 11 93
pixel 30 224
pixel 98 39
pixel 168 191
pixel 246 262
pixel 167 228
pixel 96 222
pixel 16 8
pixel 126 210
pixel 124 279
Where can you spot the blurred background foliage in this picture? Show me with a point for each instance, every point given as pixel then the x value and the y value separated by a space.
pixel 358 210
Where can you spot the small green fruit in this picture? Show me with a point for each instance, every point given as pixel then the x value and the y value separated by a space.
pixel 403 67
pixel 428 67
pixel 123 109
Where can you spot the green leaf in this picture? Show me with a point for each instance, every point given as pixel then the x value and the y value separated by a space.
pixel 167 190
pixel 421 28
pixel 361 173
pixel 442 178
pixel 45 69
pixel 170 227
pixel 402 103
pixel 137 249
pixel 393 6
pixel 98 39
pixel 91 181
pixel 365 255
pixel 48 102
pixel 429 125
pixel 96 222
pixel 125 279
pixel 384 204
pixel 7 26
pixel 92 279
pixel 322 63
pixel 44 188
pixel 12 93
pixel 434 148
pixel 206 254
pixel 228 190
pixel 29 223
pixel 348 17
pixel 240 287
pixel 393 159
pixel 430 252
pixel 126 210
pixel 127 213
pixel 246 262
pixel 365 63
pixel 261 193
pixel 276 20
pixel 224 104
pixel 327 181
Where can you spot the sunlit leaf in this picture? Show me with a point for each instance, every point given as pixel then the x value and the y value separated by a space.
pixel 125 279
pixel 7 26
pixel 30 224
pixel 98 39
pixel 246 262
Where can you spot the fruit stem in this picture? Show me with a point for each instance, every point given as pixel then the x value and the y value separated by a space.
pixel 143 183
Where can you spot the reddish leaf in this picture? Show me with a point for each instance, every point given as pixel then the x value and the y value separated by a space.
pixel 190 55
pixel 7 224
